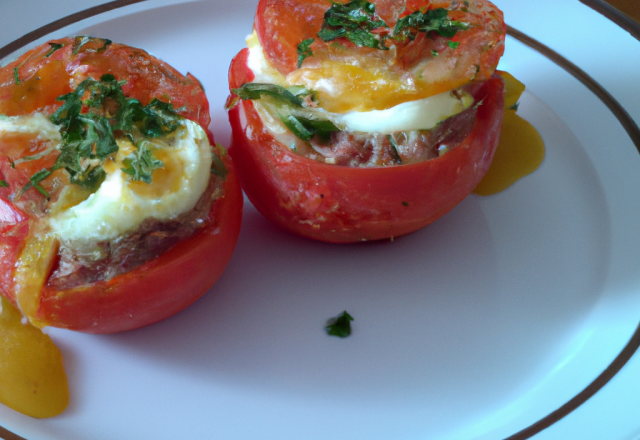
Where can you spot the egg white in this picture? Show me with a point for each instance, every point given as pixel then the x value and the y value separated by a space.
pixel 37 123
pixel 115 209
pixel 421 114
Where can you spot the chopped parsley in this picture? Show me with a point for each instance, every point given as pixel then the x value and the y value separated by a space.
pixel 89 44
pixel 156 119
pixel 514 106
pixel 217 165
pixel 304 50
pixel 305 128
pixel 358 22
pixel 354 21
pixel 89 137
pixel 432 20
pixel 34 182
pixel 16 77
pixel 141 163
pixel 394 150
pixel 3 184
pixel 54 47
pixel 288 99
pixel 339 326
pixel 453 44
pixel 257 90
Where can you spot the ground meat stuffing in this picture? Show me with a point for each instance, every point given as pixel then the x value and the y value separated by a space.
pixel 111 258
pixel 375 149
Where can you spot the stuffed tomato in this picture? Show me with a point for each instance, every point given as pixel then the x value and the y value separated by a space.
pixel 117 209
pixel 365 120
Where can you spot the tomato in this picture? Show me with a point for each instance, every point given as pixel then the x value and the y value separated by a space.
pixel 348 77
pixel 149 292
pixel 346 204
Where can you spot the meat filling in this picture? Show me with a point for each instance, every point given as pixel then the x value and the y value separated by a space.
pixel 375 149
pixel 153 237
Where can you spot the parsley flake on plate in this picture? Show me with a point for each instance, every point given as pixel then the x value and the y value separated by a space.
pixel 339 326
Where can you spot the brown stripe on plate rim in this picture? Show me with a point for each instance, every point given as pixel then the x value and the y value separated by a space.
pixel 8 435
pixel 614 106
pixel 59 24
pixel 613 14
pixel 625 119
pixel 634 133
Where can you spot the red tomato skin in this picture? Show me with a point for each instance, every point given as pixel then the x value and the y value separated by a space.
pixel 159 288
pixel 344 204
pixel 14 228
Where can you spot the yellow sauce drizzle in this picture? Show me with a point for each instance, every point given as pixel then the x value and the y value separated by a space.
pixel 32 377
pixel 520 150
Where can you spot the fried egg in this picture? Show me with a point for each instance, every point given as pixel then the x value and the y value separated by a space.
pixel 421 114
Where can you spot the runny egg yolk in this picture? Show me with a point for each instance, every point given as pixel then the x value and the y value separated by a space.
pixel 166 179
pixel 342 87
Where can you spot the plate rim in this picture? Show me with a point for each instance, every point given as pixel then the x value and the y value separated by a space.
pixel 628 123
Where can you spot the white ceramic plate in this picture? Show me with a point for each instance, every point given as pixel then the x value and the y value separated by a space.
pixel 478 327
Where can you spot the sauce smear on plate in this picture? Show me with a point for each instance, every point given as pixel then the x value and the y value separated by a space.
pixel 520 150
pixel 32 376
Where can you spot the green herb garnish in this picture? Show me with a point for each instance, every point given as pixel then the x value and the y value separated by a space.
pixel 89 138
pixel 296 126
pixel 16 77
pixel 453 44
pixel 34 182
pixel 515 106
pixel 354 21
pixel 304 50
pixel 357 19
pixel 339 326
pixel 257 90
pixel 157 119
pixel 141 163
pixel 217 165
pixel 3 184
pixel 433 20
pixel 80 41
pixel 394 150
pixel 305 128
pixel 54 47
